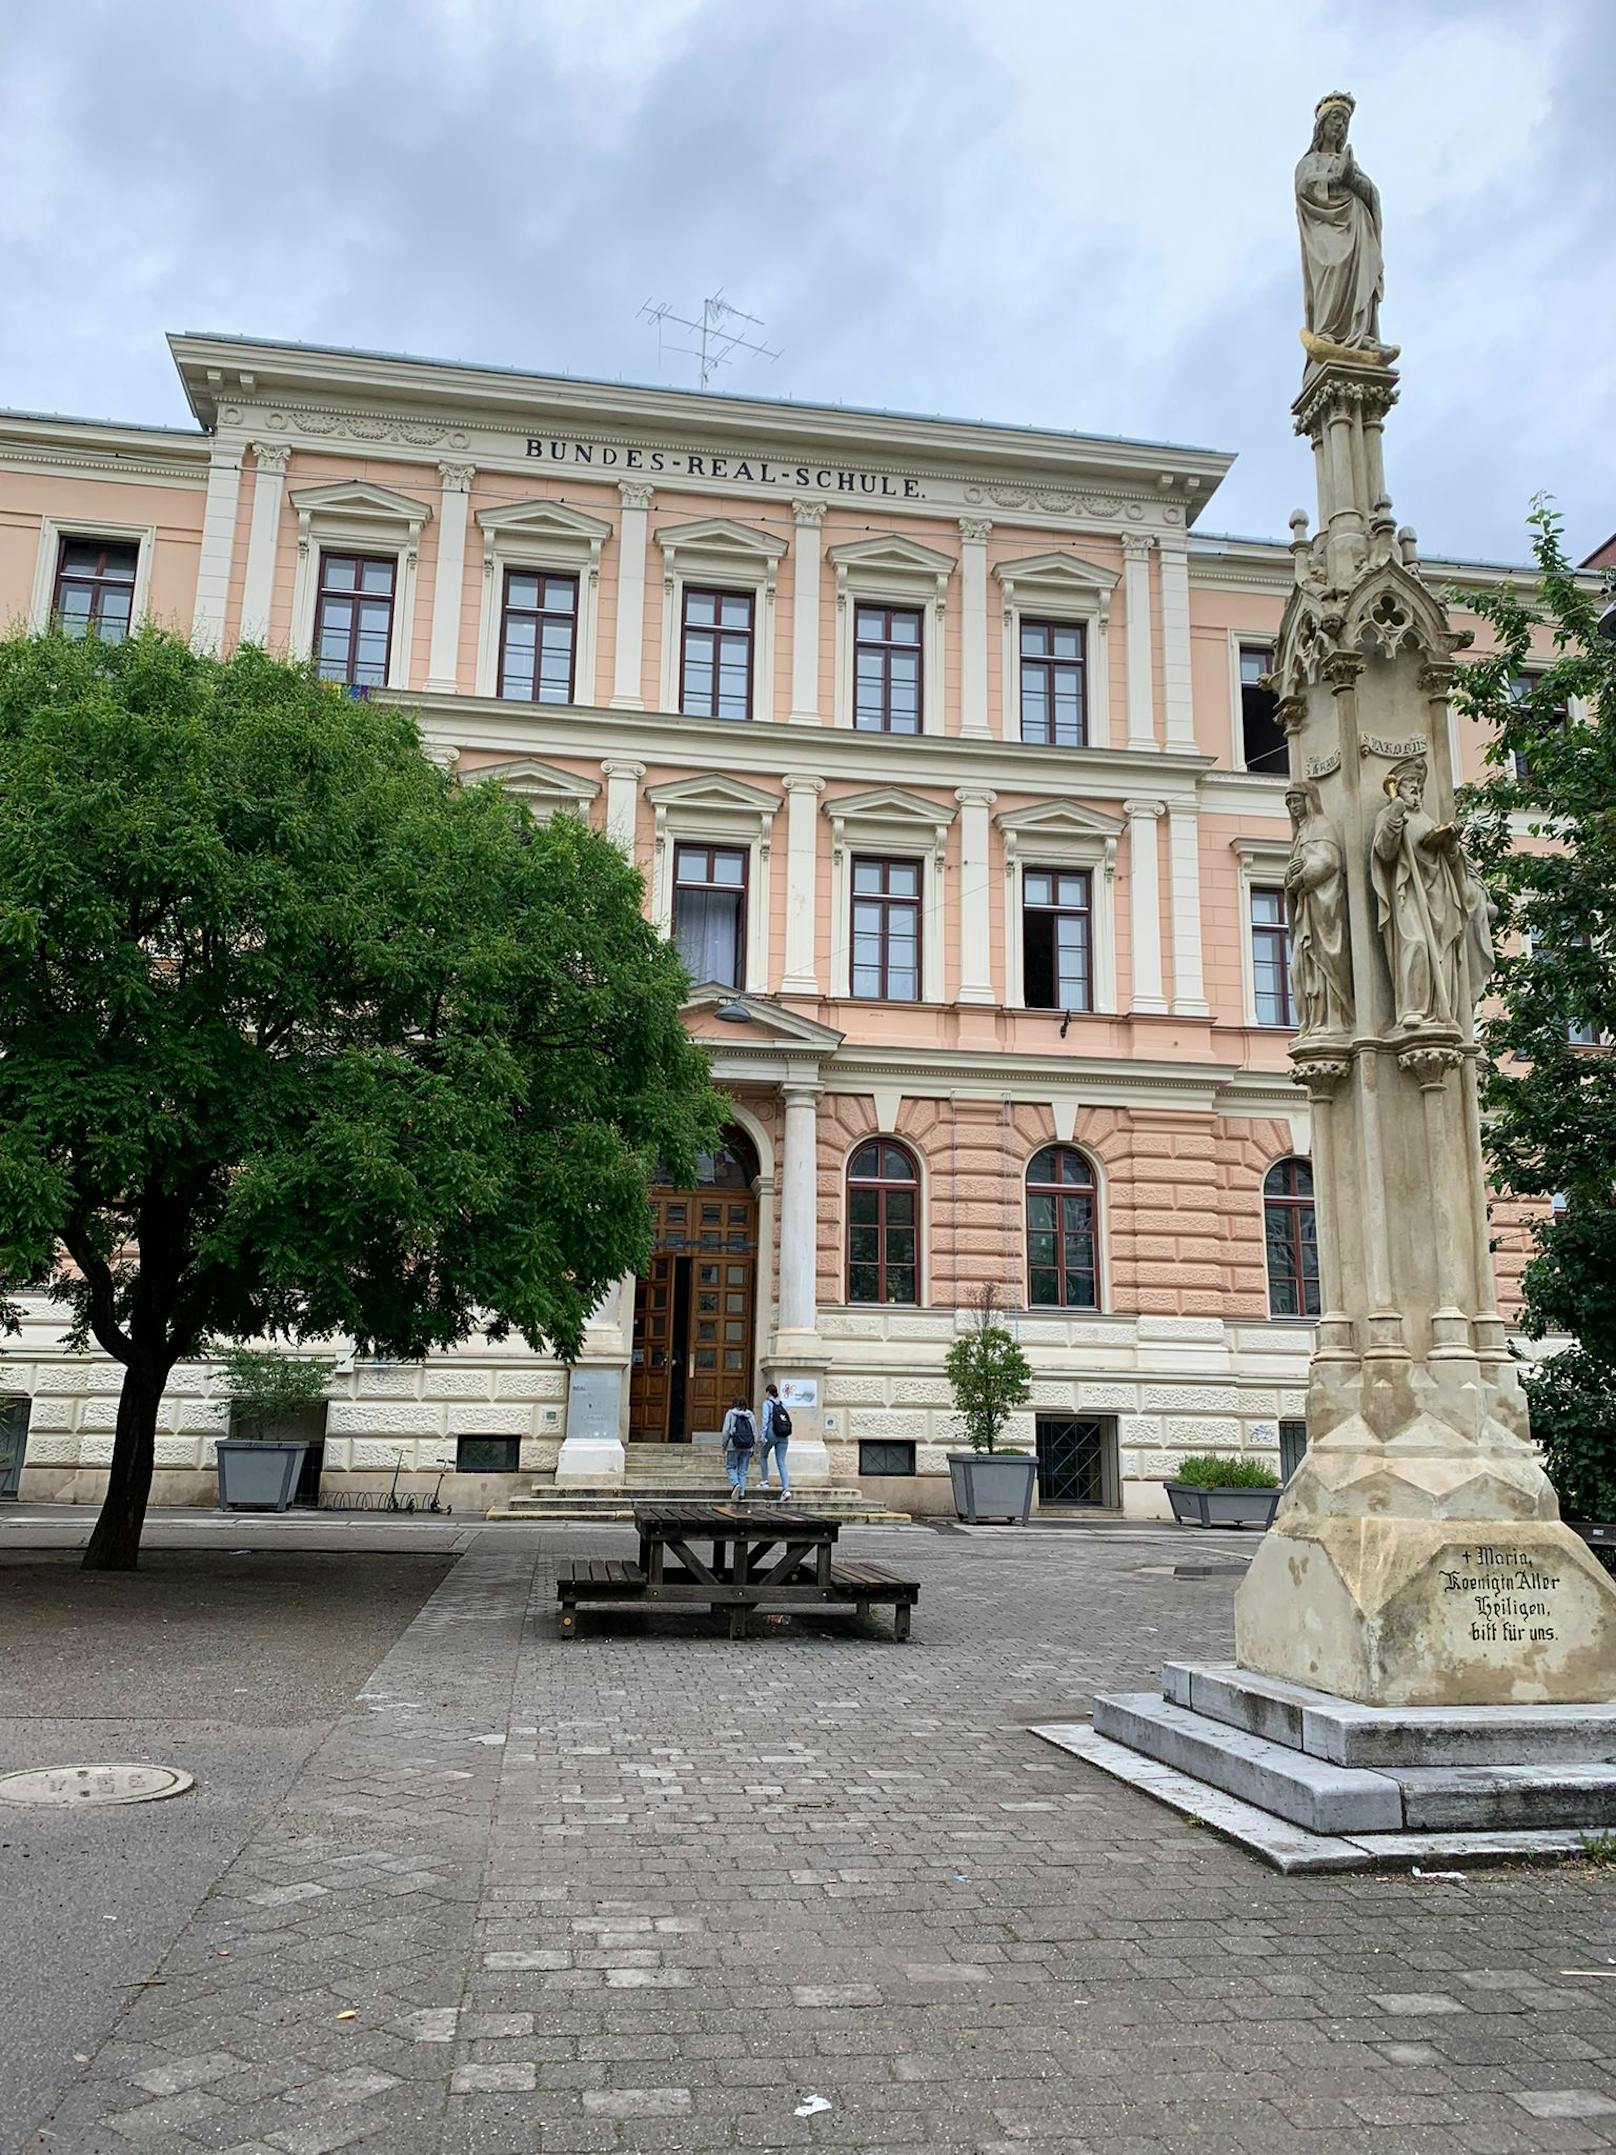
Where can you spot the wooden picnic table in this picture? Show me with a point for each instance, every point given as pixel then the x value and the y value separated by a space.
pixel 733 1557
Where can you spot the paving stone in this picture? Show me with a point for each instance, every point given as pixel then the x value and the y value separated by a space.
pixel 1566 2103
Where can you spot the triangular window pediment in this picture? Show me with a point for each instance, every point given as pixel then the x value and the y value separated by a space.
pixel 541 785
pixel 891 553
pixel 890 804
pixel 713 792
pixel 764 1018
pixel 361 499
pixel 720 535
pixel 1059 819
pixel 542 520
pixel 1057 571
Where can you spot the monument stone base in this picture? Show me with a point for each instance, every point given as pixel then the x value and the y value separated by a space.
pixel 1432 1612
pixel 1312 1781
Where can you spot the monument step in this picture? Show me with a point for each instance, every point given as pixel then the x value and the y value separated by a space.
pixel 1498 1799
pixel 1392 1737
pixel 1312 1793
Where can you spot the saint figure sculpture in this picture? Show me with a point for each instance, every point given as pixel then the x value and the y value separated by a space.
pixel 1433 913
pixel 1316 888
pixel 1338 212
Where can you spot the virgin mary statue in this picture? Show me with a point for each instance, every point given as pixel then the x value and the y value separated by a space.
pixel 1338 212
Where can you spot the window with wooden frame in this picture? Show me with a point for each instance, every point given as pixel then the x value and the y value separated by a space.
pixel 353 618
pixel 1263 746
pixel 1057 938
pixel 538 637
pixel 1054 692
pixel 709 912
pixel 1291 1239
pixel 883 1224
pixel 1063 1259
pixel 1271 957
pixel 887 668
pixel 95 588
pixel 715 653
pixel 886 930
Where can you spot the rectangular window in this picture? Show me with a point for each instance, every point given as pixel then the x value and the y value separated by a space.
pixel 1292 1445
pixel 488 1455
pixel 715 654
pixel 709 912
pixel 1054 693
pixel 1271 957
pixel 886 930
pixel 1579 1033
pixel 1057 938
pixel 1262 740
pixel 886 668
pixel 1521 685
pixel 538 637
pixel 353 620
pixel 95 587
pixel 885 1456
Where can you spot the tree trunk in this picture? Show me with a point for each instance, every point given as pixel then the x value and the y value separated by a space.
pixel 115 1543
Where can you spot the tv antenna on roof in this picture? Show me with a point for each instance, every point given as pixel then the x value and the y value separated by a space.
pixel 720 332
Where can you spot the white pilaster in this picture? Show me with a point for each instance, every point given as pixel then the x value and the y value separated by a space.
pixel 799 1213
pixel 807 555
pixel 974 629
pixel 218 546
pixel 802 884
pixel 448 590
pixel 1184 898
pixel 258 588
pixel 976 954
pixel 1144 894
pixel 1175 612
pixel 622 801
pixel 1136 606
pixel 629 658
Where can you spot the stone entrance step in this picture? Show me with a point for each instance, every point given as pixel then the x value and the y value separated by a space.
pixel 1343 1785
pixel 616 1501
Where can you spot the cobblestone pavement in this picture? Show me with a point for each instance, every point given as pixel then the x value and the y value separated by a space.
pixel 651 1890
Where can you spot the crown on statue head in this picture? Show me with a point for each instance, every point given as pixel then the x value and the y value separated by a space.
pixel 1343 98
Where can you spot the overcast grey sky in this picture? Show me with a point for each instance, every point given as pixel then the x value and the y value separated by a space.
pixel 1052 211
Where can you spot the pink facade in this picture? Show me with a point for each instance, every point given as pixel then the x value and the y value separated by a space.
pixel 1143 849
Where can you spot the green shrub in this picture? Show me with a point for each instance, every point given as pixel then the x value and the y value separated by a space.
pixel 1203 1470
pixel 1573 1401
pixel 265 1388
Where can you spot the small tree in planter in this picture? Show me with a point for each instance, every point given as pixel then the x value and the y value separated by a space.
pixel 990 1378
pixel 1212 1491
pixel 260 1461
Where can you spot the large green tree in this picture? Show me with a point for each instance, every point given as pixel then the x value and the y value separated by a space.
pixel 300 1039
pixel 1550 1087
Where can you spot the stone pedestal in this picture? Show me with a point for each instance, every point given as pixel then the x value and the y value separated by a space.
pixel 802 1392
pixel 592 1449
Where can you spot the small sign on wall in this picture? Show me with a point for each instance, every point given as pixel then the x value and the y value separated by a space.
pixel 800 1392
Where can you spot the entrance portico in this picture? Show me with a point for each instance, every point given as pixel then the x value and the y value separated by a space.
pixel 714 1315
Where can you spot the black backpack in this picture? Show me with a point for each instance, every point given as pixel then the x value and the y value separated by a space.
pixel 744 1435
pixel 780 1421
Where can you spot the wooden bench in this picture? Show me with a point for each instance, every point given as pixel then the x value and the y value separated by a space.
pixel 593 1579
pixel 596 1580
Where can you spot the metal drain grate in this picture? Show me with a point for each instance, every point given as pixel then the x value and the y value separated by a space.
pixel 67 1786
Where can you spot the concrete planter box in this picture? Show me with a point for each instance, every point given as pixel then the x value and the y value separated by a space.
pixel 992 1485
pixel 1194 1506
pixel 254 1475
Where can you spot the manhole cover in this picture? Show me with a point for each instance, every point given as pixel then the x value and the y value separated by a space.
pixel 66 1785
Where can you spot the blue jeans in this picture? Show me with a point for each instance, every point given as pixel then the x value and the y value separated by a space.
pixel 735 1466
pixel 776 1445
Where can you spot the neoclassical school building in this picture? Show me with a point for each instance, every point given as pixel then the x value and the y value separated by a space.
pixel 945 754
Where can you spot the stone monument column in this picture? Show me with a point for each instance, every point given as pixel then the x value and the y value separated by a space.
pixel 1418 1556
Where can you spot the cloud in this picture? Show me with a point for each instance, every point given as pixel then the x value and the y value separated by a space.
pixel 1032 210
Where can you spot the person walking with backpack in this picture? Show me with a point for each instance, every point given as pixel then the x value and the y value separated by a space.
pixel 776 1435
pixel 740 1441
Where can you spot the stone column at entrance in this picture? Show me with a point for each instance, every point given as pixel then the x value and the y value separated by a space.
pixel 797 1362
pixel 1418 1557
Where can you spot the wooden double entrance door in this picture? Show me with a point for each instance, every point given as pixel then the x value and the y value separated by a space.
pixel 694 1313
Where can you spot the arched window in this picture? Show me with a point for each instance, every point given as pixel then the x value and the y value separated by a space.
pixel 883 1224
pixel 1063 1265
pixel 1292 1241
